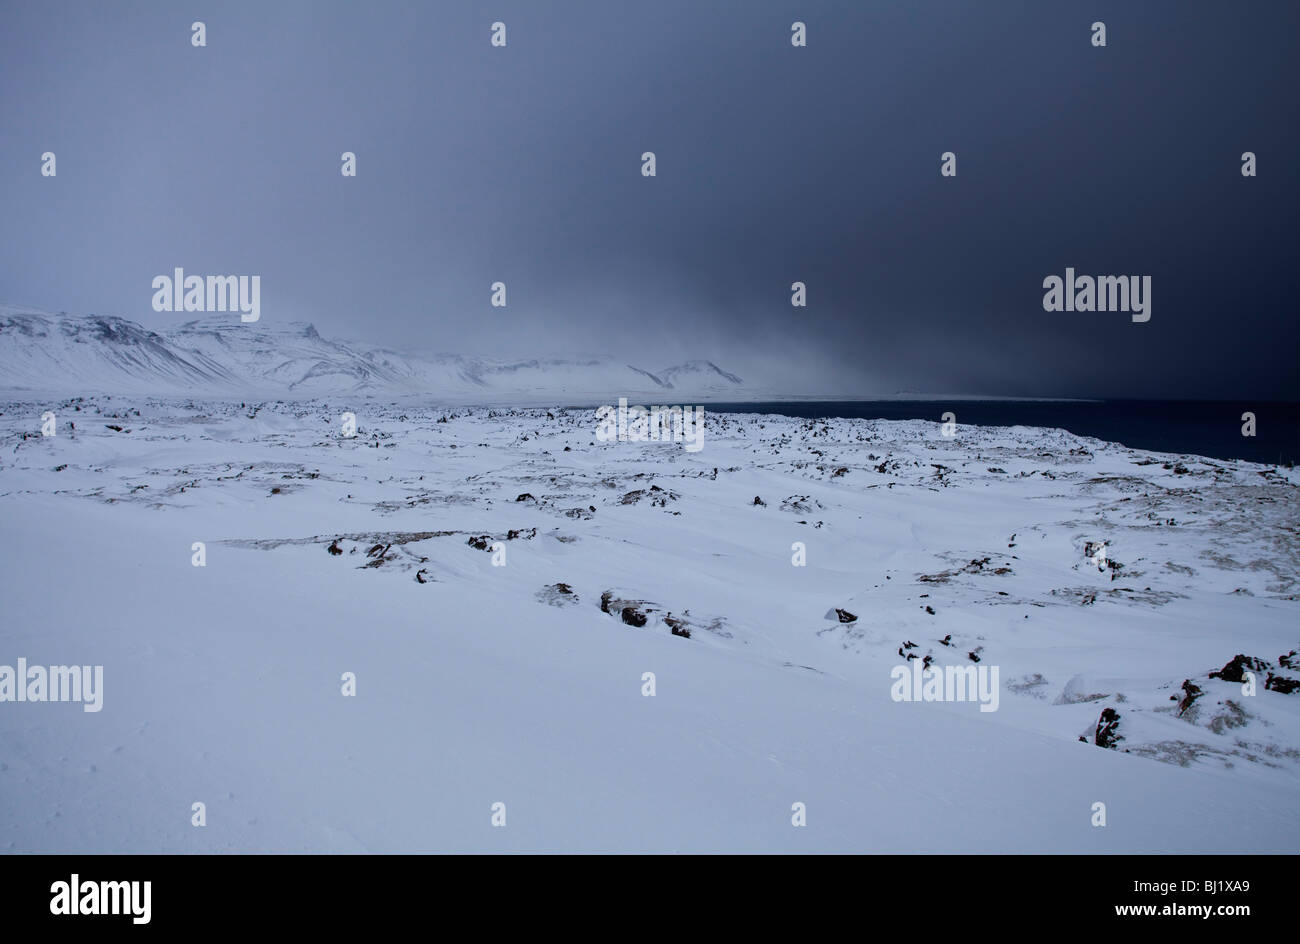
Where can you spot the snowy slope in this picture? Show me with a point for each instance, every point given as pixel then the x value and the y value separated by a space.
pixel 40 351
pixel 479 684
pixel 220 356
pixel 701 375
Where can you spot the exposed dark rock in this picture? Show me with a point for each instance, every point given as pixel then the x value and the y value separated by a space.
pixel 659 497
pixel 334 548
pixel 678 626
pixel 1277 683
pixel 378 555
pixel 1107 734
pixel 1191 692
pixel 1235 670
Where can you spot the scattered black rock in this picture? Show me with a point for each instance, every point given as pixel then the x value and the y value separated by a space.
pixel 482 542
pixel 659 498
pixel 334 548
pixel 844 616
pixel 930 610
pixel 526 496
pixel 946 640
pixel 759 501
pixel 640 613
pixel 799 504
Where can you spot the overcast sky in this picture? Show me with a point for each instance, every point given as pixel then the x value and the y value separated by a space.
pixel 774 164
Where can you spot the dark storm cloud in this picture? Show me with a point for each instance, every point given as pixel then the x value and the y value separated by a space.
pixel 775 164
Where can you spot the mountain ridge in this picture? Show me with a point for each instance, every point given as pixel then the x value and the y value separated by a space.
pixel 47 351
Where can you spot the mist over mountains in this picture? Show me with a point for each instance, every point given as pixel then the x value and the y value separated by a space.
pixel 44 351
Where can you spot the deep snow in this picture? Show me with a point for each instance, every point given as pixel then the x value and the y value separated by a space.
pixel 479 683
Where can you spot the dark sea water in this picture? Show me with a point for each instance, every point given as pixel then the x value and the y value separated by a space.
pixel 1196 427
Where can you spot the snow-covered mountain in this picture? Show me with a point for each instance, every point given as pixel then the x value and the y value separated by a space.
pixel 43 351
pixel 700 375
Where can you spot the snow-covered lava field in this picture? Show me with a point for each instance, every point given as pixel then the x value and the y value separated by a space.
pixel 499 583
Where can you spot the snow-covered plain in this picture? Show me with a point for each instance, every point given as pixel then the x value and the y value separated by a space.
pixel 478 684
